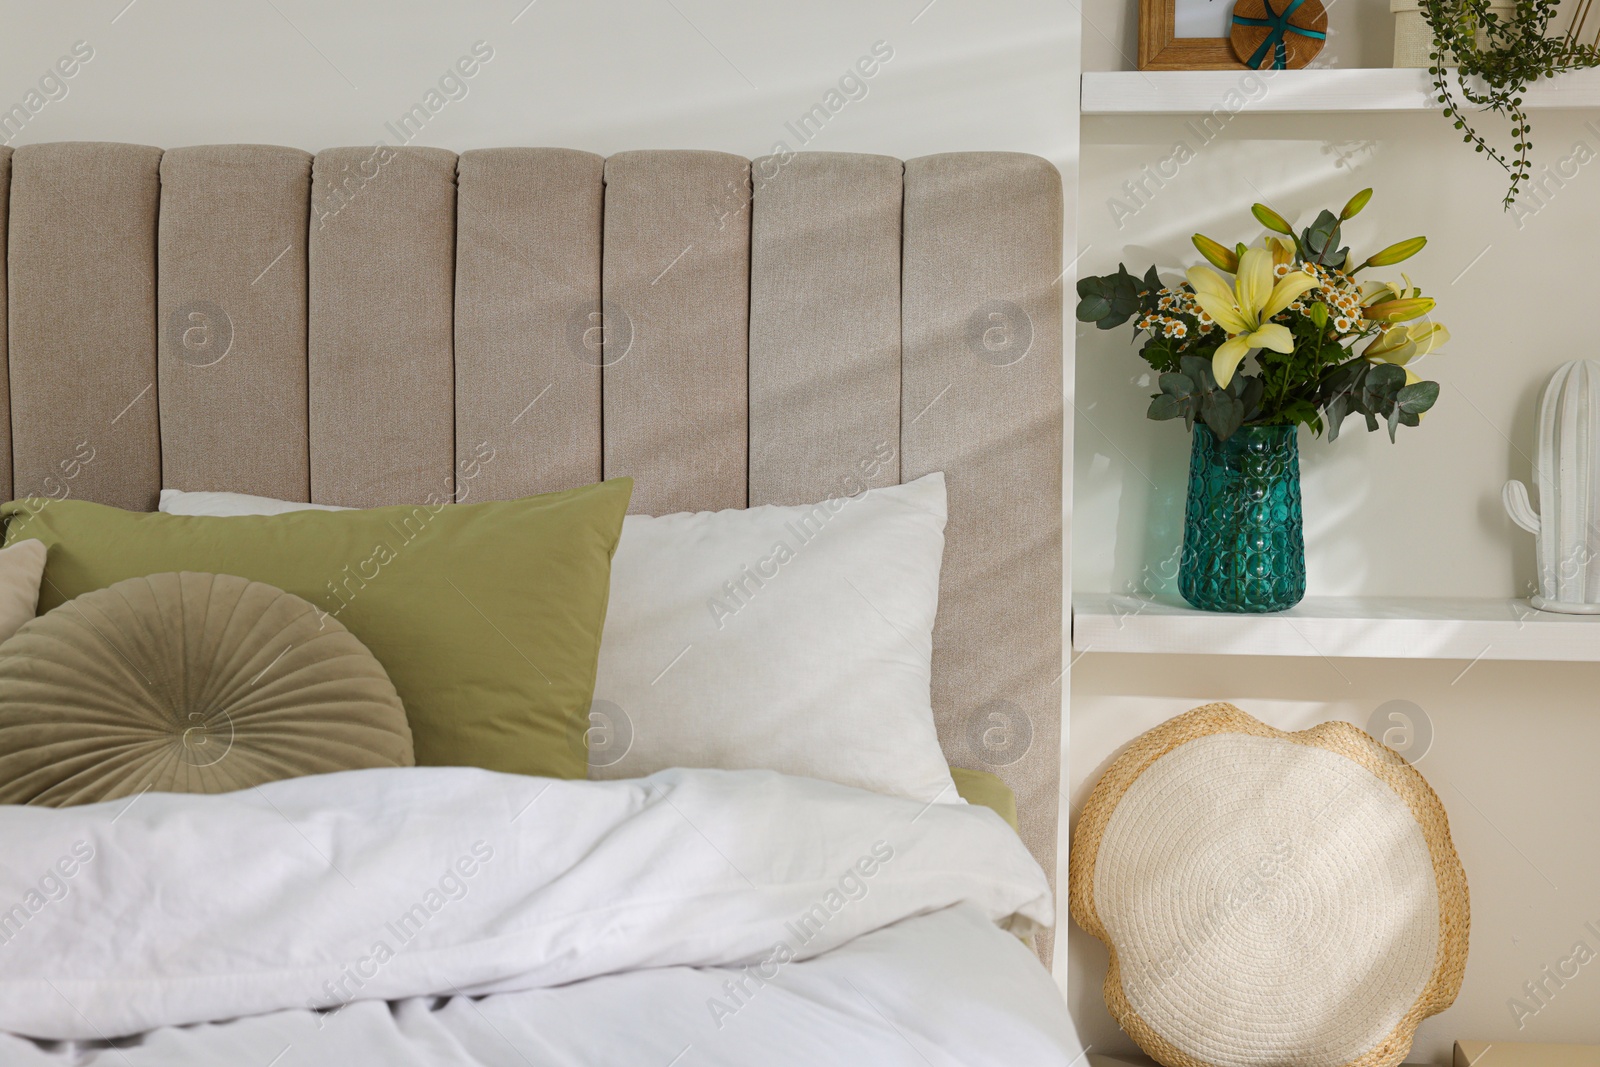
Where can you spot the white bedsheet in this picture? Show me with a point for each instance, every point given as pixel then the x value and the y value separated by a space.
pixel 716 917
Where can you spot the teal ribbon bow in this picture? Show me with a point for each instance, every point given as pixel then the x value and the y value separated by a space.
pixel 1278 25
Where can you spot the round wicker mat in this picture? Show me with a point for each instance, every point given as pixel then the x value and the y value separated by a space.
pixel 1270 898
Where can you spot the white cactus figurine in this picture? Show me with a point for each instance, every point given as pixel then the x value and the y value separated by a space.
pixel 1567 471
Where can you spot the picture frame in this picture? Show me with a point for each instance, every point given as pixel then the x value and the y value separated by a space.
pixel 1160 47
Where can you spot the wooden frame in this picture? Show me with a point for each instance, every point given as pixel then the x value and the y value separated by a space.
pixel 1161 49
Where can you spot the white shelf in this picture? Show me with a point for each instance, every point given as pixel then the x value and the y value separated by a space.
pixel 1380 627
pixel 1200 92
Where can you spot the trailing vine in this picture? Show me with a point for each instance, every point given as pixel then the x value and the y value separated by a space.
pixel 1497 58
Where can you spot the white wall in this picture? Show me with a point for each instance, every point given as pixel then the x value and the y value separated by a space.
pixel 1514 745
pixel 602 75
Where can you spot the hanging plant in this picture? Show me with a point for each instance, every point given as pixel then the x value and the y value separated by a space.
pixel 1497 57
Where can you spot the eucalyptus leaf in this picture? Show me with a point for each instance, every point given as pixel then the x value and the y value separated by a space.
pixel 1223 413
pixel 1321 238
pixel 1110 300
pixel 1164 406
pixel 1094 308
pixel 1198 370
pixel 1336 409
pixel 1417 398
pixel 1254 389
pixel 1175 384
pixel 1386 379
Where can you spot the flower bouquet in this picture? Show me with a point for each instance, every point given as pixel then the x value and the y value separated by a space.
pixel 1245 363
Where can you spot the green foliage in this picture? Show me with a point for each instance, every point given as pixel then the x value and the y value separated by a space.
pixel 1375 391
pixel 1193 392
pixel 1497 59
pixel 1319 242
pixel 1112 300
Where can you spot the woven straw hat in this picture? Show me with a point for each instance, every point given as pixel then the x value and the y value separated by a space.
pixel 1270 898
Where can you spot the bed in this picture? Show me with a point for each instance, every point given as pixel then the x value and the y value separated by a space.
pixel 349 329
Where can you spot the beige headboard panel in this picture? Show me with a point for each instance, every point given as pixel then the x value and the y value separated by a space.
pixel 348 328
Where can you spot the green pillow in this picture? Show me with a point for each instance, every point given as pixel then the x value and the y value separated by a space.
pixel 986 790
pixel 487 617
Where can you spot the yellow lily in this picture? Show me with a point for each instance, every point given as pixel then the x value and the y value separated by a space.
pixel 1282 254
pixel 1401 344
pixel 1245 309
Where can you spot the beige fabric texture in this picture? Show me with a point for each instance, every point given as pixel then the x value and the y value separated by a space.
pixel 981 400
pixel 81 255
pixel 824 324
pixel 430 302
pixel 188 683
pixel 381 326
pixel 21 571
pixel 528 320
pixel 678 270
pixel 232 310
pixel 1270 899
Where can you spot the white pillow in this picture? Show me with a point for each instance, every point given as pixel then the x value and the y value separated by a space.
pixel 175 502
pixel 796 639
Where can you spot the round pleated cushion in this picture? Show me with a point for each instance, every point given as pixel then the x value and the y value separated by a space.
pixel 188 683
pixel 1270 898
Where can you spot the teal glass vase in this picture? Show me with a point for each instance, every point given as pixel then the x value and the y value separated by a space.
pixel 1243 546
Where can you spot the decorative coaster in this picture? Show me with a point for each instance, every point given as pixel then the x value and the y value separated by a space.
pixel 1284 39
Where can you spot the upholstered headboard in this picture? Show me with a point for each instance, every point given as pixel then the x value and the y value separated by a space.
pixel 364 326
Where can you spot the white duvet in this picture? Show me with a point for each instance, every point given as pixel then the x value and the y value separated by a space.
pixel 692 917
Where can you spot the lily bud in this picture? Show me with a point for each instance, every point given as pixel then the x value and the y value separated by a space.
pixel 1270 219
pixel 1319 315
pixel 1356 203
pixel 1396 253
pixel 1220 256
pixel 1399 310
